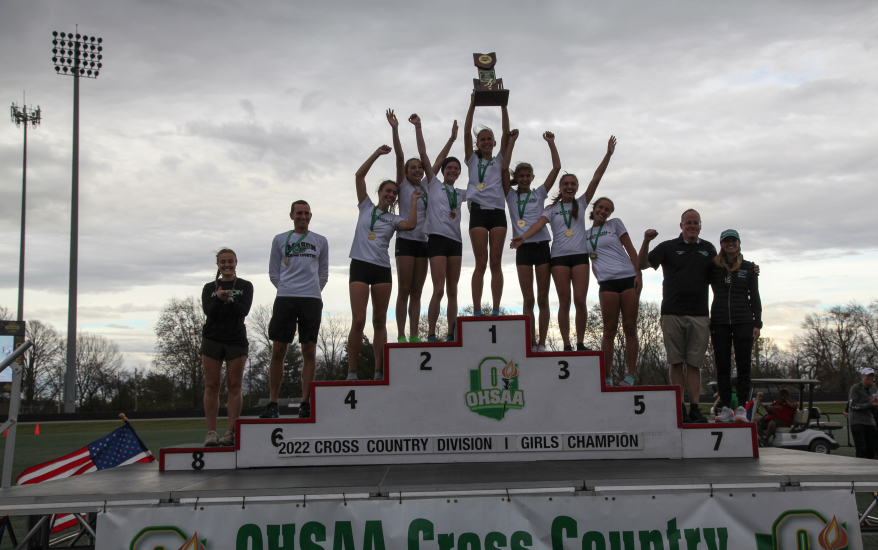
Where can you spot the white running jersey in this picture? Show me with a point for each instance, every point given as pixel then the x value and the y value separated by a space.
pixel 562 245
pixel 491 195
pixel 613 261
pixel 307 271
pixel 369 250
pixel 533 211
pixel 439 220
pixel 405 205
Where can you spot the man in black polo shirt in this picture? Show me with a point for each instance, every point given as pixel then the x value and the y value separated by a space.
pixel 685 263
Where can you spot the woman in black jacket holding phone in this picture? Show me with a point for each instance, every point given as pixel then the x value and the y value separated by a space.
pixel 735 319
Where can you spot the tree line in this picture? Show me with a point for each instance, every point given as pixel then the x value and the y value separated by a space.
pixel 833 346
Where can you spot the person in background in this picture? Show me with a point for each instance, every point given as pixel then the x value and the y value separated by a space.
pixel 862 402
pixel 779 415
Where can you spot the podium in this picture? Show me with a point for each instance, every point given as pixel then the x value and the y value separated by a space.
pixel 485 398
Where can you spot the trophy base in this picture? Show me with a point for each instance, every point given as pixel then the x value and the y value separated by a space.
pixel 491 98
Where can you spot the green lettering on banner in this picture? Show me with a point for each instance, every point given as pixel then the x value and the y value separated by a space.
pixel 344 536
pixel 522 540
pixel 628 539
pixel 710 537
pixel 673 535
pixel 802 540
pixel 249 538
pixel 446 542
pixel 495 541
pixel 594 540
pixel 615 541
pixel 416 527
pixel 312 533
pixel 693 537
pixel 559 525
pixel 287 532
pixel 469 541
pixel 653 538
pixel 764 541
pixel 373 539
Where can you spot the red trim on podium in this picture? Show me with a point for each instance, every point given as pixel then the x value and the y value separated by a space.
pixel 188 450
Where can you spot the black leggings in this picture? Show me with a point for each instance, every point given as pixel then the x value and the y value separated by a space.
pixel 865 440
pixel 723 337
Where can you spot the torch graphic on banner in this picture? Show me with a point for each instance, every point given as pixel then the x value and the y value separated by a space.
pixel 509 372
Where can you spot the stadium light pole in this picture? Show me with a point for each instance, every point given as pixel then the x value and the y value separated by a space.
pixel 78 56
pixel 19 116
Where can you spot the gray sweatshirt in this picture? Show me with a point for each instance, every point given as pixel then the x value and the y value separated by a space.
pixel 859 401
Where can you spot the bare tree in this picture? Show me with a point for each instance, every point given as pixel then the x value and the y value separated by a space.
pixel 5 314
pixel 178 347
pixel 332 348
pixel 40 361
pixel 257 377
pixel 441 325
pixel 98 370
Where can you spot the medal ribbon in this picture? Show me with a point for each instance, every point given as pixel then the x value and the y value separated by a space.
pixel 483 170
pixel 521 206
pixel 564 214
pixel 594 243
pixel 452 199
pixel 423 194
pixel 374 218
pixel 295 248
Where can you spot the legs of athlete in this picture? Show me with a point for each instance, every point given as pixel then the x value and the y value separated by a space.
pixel 418 278
pixel 543 276
pixel 437 274
pixel 579 276
pixel 561 276
pixel 380 300
pixel 276 369
pixel 526 282
pixel 630 305
pixel 611 302
pixel 479 239
pixel 405 268
pixel 212 375
pixel 309 368
pixel 452 277
pixel 359 303
pixel 234 379
pixel 497 242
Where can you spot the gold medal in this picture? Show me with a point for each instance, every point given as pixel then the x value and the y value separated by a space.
pixel 569 232
pixel 453 214
pixel 593 255
pixel 520 223
pixel 372 236
pixel 287 260
pixel 480 186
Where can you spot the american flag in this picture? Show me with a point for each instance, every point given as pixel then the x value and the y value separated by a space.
pixel 119 448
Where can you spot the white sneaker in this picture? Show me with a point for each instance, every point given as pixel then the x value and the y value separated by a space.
pixel 379 375
pixel 541 349
pixel 352 375
pixel 533 349
pixel 741 415
pixel 725 415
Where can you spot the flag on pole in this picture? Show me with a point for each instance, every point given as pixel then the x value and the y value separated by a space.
pixel 121 447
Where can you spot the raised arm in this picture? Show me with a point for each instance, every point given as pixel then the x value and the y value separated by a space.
pixel 625 239
pixel 531 231
pixel 599 173
pixel 556 161
pixel 443 154
pixel 643 256
pixel 397 146
pixel 505 177
pixel 468 128
pixel 505 139
pixel 422 148
pixel 412 222
pixel 364 169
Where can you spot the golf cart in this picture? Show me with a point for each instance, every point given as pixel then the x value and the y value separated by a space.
pixel 811 429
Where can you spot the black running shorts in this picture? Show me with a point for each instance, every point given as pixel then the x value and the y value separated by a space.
pixel 571 261
pixel 617 285
pixel 290 314
pixel 408 247
pixel 220 351
pixel 533 254
pixel 440 245
pixel 371 274
pixel 489 218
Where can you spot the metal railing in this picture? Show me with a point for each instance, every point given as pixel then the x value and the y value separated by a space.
pixel 14 402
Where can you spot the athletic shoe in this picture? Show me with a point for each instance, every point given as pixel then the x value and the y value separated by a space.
pixel 533 349
pixel 270 411
pixel 449 338
pixel 414 338
pixel 568 348
pixel 212 440
pixel 695 416
pixel 609 381
pixel 628 381
pixel 432 338
pixel 581 347
pixel 379 375
pixel 228 440
pixel 477 313
pixel 741 415
pixel 685 413
pixel 541 349
pixel 725 415
pixel 401 339
pixel 304 409
pixel 495 313
pixel 352 375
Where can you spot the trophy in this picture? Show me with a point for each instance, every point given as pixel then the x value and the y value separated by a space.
pixel 489 89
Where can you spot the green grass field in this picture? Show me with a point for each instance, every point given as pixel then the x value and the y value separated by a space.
pixel 59 438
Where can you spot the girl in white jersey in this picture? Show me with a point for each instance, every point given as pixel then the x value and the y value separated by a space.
pixel 487 222
pixel 370 262
pixel 411 246
pixel 533 257
pixel 614 262
pixel 444 243
pixel 566 215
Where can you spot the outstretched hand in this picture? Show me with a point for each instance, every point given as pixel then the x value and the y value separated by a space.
pixel 549 136
pixel 611 145
pixel 415 196
pixel 513 134
pixel 415 119
pixel 391 118
pixel 650 234
pixel 454 130
pixel 383 150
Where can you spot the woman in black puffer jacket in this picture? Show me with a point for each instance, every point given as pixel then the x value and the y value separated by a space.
pixel 735 319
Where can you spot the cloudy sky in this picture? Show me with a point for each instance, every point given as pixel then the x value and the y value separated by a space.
pixel 210 117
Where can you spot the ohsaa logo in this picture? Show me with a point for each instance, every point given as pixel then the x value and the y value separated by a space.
pixel 494 388
pixel 800 528
pixel 167 537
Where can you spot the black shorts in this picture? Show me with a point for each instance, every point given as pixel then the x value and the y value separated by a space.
pixel 617 285
pixel 440 245
pixel 489 218
pixel 533 254
pixel 570 261
pixel 290 313
pixel 408 247
pixel 220 351
pixel 371 274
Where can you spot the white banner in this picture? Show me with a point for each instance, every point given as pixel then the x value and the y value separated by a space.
pixel 808 520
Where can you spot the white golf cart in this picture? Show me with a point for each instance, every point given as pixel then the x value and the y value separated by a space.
pixel 811 429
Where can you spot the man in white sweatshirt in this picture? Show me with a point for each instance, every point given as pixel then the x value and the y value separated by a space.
pixel 299 269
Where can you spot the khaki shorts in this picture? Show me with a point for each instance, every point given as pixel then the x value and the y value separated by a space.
pixel 686 339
